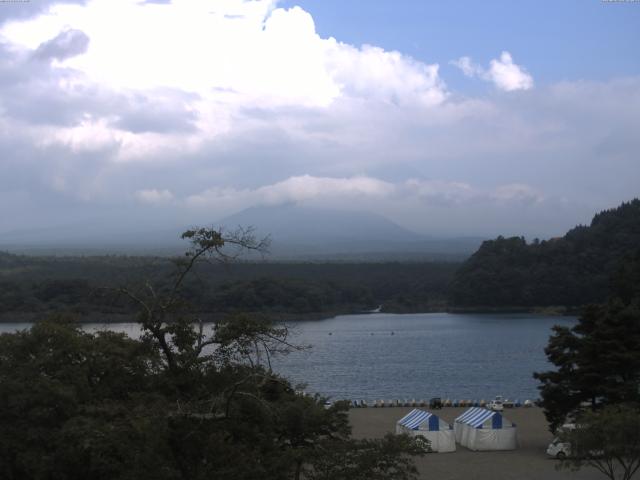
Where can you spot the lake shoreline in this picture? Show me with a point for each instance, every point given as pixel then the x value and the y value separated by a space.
pixel 207 317
pixel 552 310
pixel 211 317
pixel 380 356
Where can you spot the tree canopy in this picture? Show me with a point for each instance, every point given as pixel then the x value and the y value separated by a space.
pixel 607 440
pixel 180 402
pixel 597 360
pixel 32 286
pixel 571 271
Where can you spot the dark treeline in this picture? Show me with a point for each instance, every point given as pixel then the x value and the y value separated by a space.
pixel 594 383
pixel 506 273
pixel 176 403
pixel 570 271
pixel 41 284
pixel 597 360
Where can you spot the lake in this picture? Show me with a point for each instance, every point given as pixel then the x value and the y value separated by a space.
pixel 419 356
pixel 385 356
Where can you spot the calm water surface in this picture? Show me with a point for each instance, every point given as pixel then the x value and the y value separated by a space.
pixel 454 356
pixel 413 356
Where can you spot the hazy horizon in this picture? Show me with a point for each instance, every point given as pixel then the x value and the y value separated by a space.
pixel 450 120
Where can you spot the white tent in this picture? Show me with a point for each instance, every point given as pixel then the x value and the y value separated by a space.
pixel 482 429
pixel 426 424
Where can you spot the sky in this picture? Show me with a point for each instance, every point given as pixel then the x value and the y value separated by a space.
pixel 450 118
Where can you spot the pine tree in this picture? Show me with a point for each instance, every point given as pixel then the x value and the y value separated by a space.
pixel 598 360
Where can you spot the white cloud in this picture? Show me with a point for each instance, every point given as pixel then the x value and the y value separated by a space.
pixel 442 193
pixel 373 73
pixel 508 76
pixel 224 56
pixel 439 192
pixel 503 73
pixel 467 66
pixel 154 196
pixel 27 9
pixel 68 43
pixel 228 103
pixel 297 189
pixel 349 191
pixel 517 192
pixel 306 187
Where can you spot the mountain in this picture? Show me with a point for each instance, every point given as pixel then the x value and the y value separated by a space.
pixel 315 233
pixel 573 270
pixel 297 233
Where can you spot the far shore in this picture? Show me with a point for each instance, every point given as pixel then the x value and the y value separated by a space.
pixel 553 310
pixel 209 317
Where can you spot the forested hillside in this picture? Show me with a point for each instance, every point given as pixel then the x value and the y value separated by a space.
pixel 570 271
pixel 42 284
pixel 504 273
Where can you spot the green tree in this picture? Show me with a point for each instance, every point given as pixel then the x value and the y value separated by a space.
pixel 607 440
pixel 181 402
pixel 376 459
pixel 598 359
pixel 70 402
pixel 570 271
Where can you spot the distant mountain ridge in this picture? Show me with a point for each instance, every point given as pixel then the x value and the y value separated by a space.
pixel 298 233
pixel 297 224
pixel 573 270
pixel 315 233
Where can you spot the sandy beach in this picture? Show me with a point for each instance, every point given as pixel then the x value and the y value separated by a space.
pixel 528 462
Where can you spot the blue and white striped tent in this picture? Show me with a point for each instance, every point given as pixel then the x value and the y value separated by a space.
pixel 482 429
pixel 476 417
pixel 427 425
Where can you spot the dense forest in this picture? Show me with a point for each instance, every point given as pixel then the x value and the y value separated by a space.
pixel 84 285
pixel 570 271
pixel 176 403
pixel 505 273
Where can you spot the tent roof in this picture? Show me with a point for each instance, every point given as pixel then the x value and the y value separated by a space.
pixel 415 418
pixel 476 416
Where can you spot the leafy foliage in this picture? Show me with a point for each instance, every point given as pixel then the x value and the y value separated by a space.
pixel 598 360
pixel 40 285
pixel 69 397
pixel 570 271
pixel 607 440
pixel 378 459
pixel 178 403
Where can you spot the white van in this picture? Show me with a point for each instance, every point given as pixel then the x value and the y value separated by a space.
pixel 497 404
pixel 559 449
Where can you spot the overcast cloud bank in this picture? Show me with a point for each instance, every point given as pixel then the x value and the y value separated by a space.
pixel 189 111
